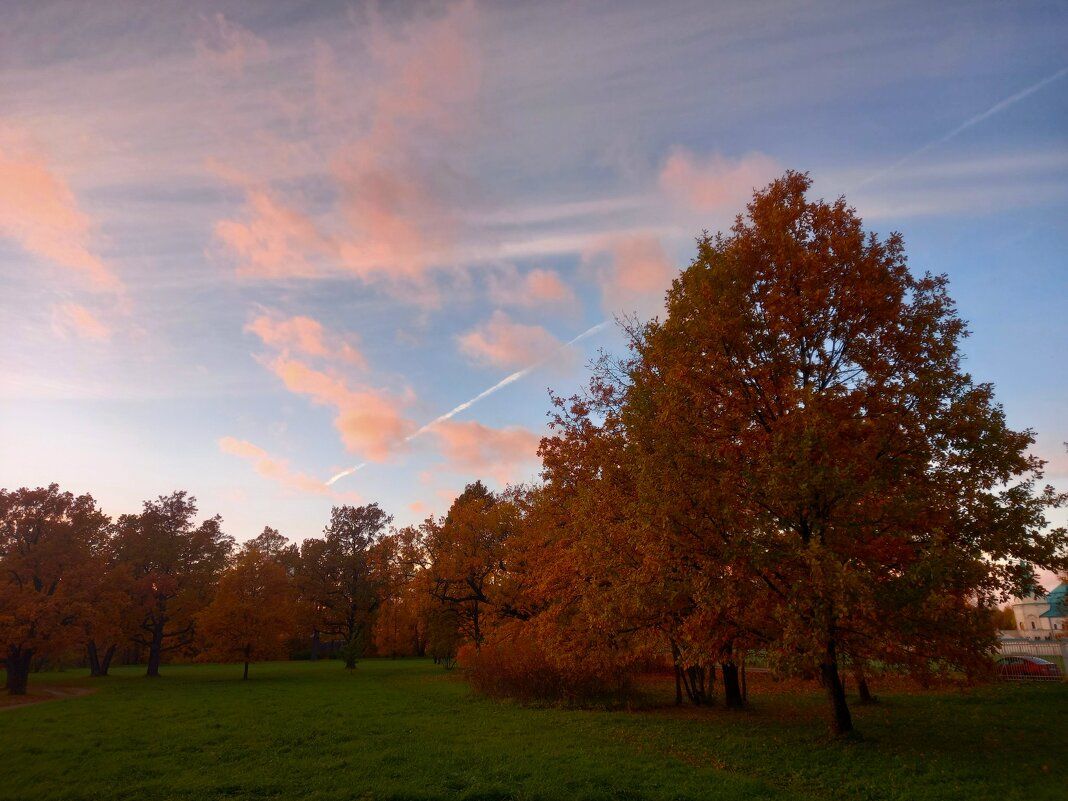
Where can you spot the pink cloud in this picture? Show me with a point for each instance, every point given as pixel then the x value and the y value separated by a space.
pixel 471 447
pixel 73 319
pixel 224 43
pixel 394 199
pixel 633 272
pixel 501 342
pixel 417 507
pixel 39 211
pixel 274 241
pixel 277 469
pixel 396 194
pixel 714 183
pixel 538 287
pixel 305 336
pixel 369 420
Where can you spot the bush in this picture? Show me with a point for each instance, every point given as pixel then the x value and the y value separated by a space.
pixel 511 665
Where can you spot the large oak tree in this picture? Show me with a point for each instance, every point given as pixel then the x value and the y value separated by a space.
pixel 801 417
pixel 171 565
pixel 341 581
pixel 50 543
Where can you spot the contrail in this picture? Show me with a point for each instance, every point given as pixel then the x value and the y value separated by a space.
pixel 997 108
pixel 509 379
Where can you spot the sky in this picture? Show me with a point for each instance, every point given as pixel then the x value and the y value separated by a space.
pixel 247 247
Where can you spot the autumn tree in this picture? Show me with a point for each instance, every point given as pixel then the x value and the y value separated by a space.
pixel 48 545
pixel 172 565
pixel 275 547
pixel 251 615
pixel 605 589
pixel 110 618
pixel 801 417
pixel 401 623
pixel 339 581
pixel 467 555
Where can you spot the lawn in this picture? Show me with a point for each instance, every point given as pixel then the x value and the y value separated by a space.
pixel 409 730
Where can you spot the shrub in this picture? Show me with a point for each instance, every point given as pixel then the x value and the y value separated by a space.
pixel 512 664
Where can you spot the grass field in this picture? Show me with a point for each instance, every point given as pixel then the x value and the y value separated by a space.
pixel 409 730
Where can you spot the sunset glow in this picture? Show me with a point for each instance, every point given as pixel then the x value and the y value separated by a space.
pixel 289 255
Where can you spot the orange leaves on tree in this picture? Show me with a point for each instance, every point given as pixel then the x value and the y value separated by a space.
pixel 253 613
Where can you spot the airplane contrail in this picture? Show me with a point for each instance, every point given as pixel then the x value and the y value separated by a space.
pixel 508 379
pixel 997 108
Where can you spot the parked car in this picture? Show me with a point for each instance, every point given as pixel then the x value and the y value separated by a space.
pixel 1027 667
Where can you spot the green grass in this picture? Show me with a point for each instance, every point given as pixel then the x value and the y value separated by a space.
pixel 408 730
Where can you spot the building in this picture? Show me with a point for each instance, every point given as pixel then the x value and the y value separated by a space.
pixel 1042 617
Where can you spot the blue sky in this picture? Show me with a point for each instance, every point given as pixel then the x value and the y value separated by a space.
pixel 245 246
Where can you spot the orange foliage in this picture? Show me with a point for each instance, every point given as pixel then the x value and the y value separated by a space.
pixel 252 614
pixel 50 562
pixel 513 664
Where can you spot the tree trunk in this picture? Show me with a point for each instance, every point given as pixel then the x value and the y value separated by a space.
pixel 155 651
pixel 315 645
pixel 676 659
pixel 476 629
pixel 696 674
pixel 99 667
pixel 732 690
pixel 248 653
pixel 841 720
pixel 862 686
pixel 109 654
pixel 18 669
pixel 94 658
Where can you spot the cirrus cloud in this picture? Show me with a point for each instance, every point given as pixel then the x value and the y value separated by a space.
pixel 537 287
pixel 39 211
pixel 394 221
pixel 633 273
pixel 73 319
pixel 470 447
pixel 714 183
pixel 501 342
pixel 278 470
pixel 305 336
pixel 368 419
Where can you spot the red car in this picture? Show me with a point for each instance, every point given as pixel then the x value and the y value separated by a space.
pixel 1027 667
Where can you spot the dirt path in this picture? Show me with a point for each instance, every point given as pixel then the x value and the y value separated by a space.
pixel 38 695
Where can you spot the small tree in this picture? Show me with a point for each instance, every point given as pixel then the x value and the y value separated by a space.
pixel 252 613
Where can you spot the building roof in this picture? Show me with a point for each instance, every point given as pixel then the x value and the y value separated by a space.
pixel 1058 602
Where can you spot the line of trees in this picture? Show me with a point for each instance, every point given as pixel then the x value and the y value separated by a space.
pixel 792 462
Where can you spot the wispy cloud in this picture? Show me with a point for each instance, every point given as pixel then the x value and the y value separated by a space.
pixel 39 211
pixel 535 288
pixel 633 273
pixel 714 183
pixel 394 218
pixel 471 447
pixel 273 240
pixel 226 44
pixel 502 342
pixel 368 419
pixel 278 470
pixel 304 336
pixel 74 320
